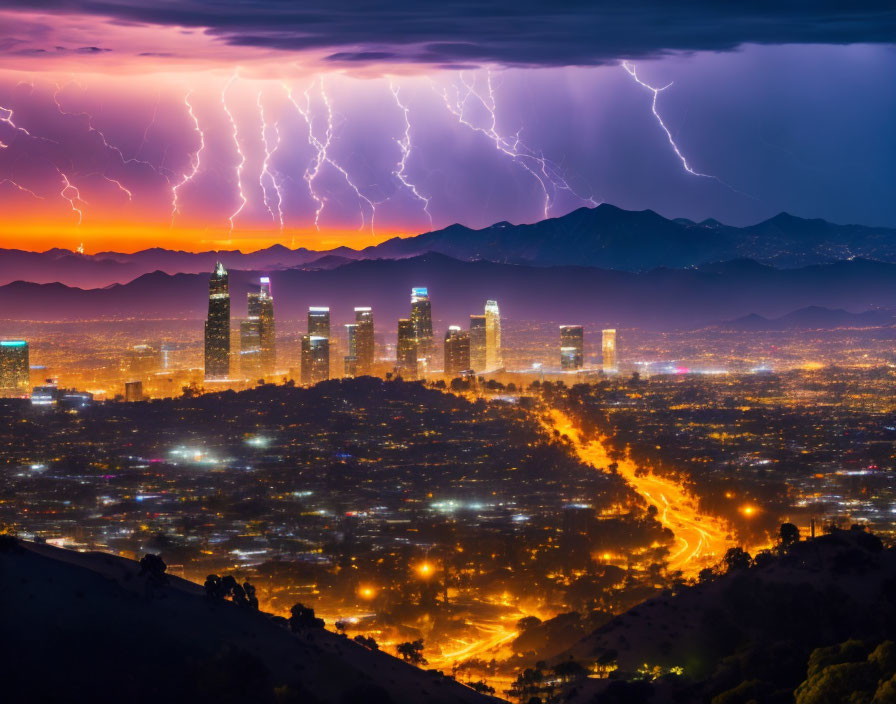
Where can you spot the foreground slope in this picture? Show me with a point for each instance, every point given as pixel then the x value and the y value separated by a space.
pixel 89 627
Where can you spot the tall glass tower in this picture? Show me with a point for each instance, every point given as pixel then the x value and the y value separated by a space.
pixel 406 357
pixel 610 351
pixel 261 311
pixel 572 347
pixel 363 348
pixel 493 357
pixel 421 319
pixel 217 325
pixel 457 351
pixel 477 343
pixel 15 372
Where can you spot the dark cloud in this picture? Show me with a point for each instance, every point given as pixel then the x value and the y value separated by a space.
pixel 512 32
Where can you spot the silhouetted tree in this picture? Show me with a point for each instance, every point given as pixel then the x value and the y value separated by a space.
pixel 412 652
pixel 367 642
pixel 737 559
pixel 303 617
pixel 789 534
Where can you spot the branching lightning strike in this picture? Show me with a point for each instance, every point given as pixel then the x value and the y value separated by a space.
pixel 266 166
pixel 194 159
pixel 68 186
pixel 236 142
pixel 404 144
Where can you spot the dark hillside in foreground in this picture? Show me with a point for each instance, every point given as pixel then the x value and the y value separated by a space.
pixel 749 635
pixel 88 627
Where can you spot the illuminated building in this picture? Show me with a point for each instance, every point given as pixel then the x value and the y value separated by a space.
pixel 351 359
pixel 15 374
pixel 478 354
pixel 142 360
pixel 217 325
pixel 610 351
pixel 250 349
pixel 406 357
pixel 319 321
pixel 261 310
pixel 133 391
pixel 421 319
pixel 493 357
pixel 364 347
pixel 457 351
pixel 315 359
pixel 572 347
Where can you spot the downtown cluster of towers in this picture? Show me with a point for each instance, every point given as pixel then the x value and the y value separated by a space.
pixel 465 351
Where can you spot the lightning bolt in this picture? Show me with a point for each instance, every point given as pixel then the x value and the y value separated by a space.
pixel 266 166
pixel 71 199
pixel 106 143
pixel 322 157
pixel 194 159
pixel 118 183
pixel 236 142
pixel 20 187
pixel 404 144
pixel 7 119
pixel 546 173
pixel 632 71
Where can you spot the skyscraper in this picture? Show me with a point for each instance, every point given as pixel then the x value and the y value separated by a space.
pixel 351 359
pixel 315 359
pixel 478 354
pixel 493 356
pixel 217 325
pixel 319 321
pixel 250 349
pixel 610 351
pixel 142 360
pixel 457 351
pixel 133 391
pixel 572 347
pixel 261 310
pixel 421 318
pixel 364 348
pixel 406 357
pixel 15 372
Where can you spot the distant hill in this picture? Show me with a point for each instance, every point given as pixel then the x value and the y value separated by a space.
pixel 657 299
pixel 606 237
pixel 87 627
pixel 812 318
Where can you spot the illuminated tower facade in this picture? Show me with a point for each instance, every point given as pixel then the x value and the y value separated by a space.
pixel 15 370
pixel 217 325
pixel 477 343
pixel 351 359
pixel 315 359
pixel 457 351
pixel 572 347
pixel 493 357
pixel 319 321
pixel 250 349
pixel 610 351
pixel 421 318
pixel 261 310
pixel 363 349
pixel 406 357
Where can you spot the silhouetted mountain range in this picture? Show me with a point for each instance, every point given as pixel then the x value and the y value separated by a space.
pixel 812 318
pixel 604 237
pixel 657 299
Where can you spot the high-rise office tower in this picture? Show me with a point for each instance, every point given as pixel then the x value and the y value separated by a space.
pixel 493 357
pixel 406 357
pixel 610 351
pixel 457 351
pixel 250 349
pixel 351 359
pixel 133 391
pixel 363 341
pixel 572 347
pixel 421 318
pixel 315 359
pixel 319 321
pixel 217 325
pixel 261 310
pixel 15 371
pixel 477 343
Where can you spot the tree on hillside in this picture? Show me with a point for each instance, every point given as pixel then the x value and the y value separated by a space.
pixel 303 617
pixel 789 534
pixel 412 652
